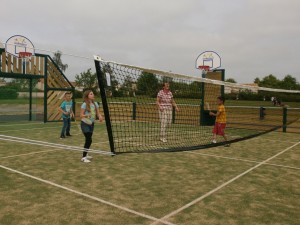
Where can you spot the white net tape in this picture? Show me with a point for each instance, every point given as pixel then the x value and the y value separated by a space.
pixel 200 79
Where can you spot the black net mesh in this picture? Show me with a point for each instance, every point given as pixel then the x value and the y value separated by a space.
pixel 137 125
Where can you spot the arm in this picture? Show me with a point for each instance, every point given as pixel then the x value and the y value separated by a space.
pixel 158 104
pixel 62 111
pixel 99 115
pixel 214 114
pixel 71 111
pixel 175 105
pixel 82 113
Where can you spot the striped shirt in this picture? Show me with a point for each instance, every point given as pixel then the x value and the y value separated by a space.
pixel 165 99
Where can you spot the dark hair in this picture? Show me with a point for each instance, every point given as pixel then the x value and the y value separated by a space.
pixel 221 98
pixel 164 83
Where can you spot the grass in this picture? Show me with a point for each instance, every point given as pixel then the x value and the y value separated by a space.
pixel 152 184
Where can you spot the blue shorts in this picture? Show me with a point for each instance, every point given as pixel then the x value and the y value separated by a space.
pixel 85 128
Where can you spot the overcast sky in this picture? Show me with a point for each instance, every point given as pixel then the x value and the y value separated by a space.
pixel 254 38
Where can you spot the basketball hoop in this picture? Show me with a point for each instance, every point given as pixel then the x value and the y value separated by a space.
pixel 25 56
pixel 204 69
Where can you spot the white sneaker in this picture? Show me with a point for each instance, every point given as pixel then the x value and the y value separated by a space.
pixel 163 140
pixel 85 160
pixel 89 157
pixel 214 141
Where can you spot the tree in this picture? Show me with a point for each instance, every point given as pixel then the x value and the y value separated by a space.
pixel 147 84
pixel 270 81
pixel 257 81
pixel 57 59
pixel 87 80
pixel 21 84
pixel 127 87
pixel 231 80
pixel 289 82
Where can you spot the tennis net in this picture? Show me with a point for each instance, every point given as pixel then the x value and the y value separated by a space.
pixel 136 123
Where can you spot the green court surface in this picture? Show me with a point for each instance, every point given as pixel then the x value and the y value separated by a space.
pixel 256 181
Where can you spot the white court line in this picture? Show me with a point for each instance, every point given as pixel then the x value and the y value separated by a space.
pixel 30 153
pixel 267 139
pixel 223 185
pixel 5 131
pixel 44 145
pixel 245 160
pixel 18 124
pixel 88 196
pixel 49 144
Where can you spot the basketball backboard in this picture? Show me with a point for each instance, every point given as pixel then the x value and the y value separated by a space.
pixel 208 58
pixel 19 43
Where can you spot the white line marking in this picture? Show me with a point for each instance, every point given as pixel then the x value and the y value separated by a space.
pixel 49 144
pixel 278 140
pixel 9 125
pixel 88 196
pixel 5 131
pixel 245 160
pixel 31 153
pixel 223 185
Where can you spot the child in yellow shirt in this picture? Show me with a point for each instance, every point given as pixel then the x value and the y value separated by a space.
pixel 220 124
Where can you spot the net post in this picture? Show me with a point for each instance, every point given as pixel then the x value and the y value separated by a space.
pixel 100 77
pixel 284 119
pixel 262 113
pixel 173 114
pixel 30 98
pixel 73 104
pixel 45 88
pixel 133 110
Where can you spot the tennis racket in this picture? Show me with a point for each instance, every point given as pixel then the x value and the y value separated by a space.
pixel 87 121
pixel 208 106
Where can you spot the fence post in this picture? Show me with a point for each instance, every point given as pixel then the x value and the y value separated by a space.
pixel 173 114
pixel 284 119
pixel 133 110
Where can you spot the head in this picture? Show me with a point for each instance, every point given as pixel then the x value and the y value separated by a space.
pixel 68 96
pixel 221 100
pixel 166 86
pixel 88 98
pixel 88 95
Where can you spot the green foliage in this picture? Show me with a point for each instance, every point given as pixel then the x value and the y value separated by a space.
pixel 183 90
pixel 21 84
pixel 263 96
pixel 288 82
pixel 270 81
pixel 147 84
pixel 8 93
pixel 88 80
pixel 231 80
pixel 128 87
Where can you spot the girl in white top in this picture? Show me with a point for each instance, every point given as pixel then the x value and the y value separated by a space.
pixel 165 102
pixel 89 109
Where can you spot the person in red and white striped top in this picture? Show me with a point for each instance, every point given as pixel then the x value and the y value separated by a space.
pixel 165 102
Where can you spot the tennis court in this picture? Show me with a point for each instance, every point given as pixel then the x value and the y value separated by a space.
pixel 256 181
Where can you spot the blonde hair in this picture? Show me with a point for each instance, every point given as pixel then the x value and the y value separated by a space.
pixel 87 100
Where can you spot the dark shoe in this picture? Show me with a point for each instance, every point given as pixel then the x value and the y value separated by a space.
pixel 69 135
pixel 62 136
